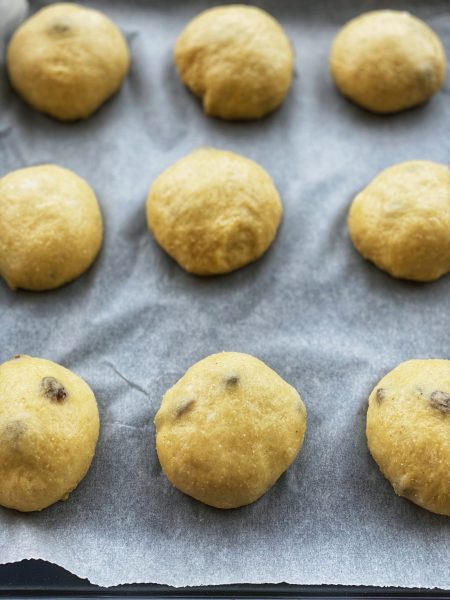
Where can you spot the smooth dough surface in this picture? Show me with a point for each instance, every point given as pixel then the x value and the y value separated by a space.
pixel 49 427
pixel 214 211
pixel 387 61
pixel 401 220
pixel 50 227
pixel 66 60
pixel 238 59
pixel 408 431
pixel 228 429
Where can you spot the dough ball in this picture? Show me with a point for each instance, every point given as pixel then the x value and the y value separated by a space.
pixel 387 60
pixel 401 220
pixel 228 429
pixel 237 59
pixel 408 431
pixel 50 227
pixel 66 60
pixel 214 211
pixel 49 427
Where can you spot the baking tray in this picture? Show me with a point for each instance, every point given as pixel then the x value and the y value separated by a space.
pixel 33 578
pixel 39 579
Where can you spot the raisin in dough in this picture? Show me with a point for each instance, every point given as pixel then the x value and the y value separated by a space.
pixel 237 59
pixel 387 61
pixel 408 431
pixel 401 220
pixel 66 60
pixel 50 227
pixel 49 427
pixel 228 429
pixel 214 211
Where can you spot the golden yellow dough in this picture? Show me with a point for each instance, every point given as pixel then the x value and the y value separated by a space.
pixel 228 429
pixel 50 227
pixel 66 60
pixel 401 220
pixel 238 59
pixel 214 211
pixel 49 427
pixel 408 431
pixel 387 61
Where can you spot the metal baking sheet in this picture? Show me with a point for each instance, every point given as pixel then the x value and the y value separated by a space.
pixel 330 323
pixel 44 580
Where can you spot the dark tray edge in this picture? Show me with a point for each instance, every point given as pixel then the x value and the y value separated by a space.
pixel 39 579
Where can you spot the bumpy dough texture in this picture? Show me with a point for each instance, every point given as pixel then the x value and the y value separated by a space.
pixel 401 220
pixel 237 59
pixel 49 427
pixel 214 211
pixel 50 227
pixel 408 431
pixel 228 429
pixel 66 60
pixel 387 60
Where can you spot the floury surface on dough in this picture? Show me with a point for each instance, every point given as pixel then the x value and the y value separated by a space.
pixel 238 59
pixel 49 427
pixel 387 61
pixel 214 211
pixel 66 60
pixel 228 429
pixel 408 431
pixel 51 227
pixel 401 220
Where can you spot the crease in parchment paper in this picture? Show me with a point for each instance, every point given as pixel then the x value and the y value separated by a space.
pixel 327 321
pixel 132 384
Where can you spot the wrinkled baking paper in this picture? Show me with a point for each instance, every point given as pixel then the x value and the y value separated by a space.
pixel 327 321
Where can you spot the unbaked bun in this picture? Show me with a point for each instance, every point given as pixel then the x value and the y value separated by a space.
pixel 66 60
pixel 228 429
pixel 236 58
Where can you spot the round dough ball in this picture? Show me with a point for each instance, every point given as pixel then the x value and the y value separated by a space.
pixel 66 60
pixel 401 220
pixel 49 427
pixel 387 60
pixel 408 431
pixel 50 227
pixel 214 211
pixel 238 59
pixel 228 429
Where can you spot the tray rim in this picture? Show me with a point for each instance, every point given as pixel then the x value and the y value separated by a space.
pixel 49 580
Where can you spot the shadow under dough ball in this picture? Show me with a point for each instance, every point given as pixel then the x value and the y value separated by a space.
pixel 408 431
pixel 50 227
pixel 401 220
pixel 228 429
pixel 387 61
pixel 66 60
pixel 214 211
pixel 49 427
pixel 238 59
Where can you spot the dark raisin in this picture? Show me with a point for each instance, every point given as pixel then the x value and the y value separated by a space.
pixel 184 407
pixel 425 75
pixel 380 395
pixel 232 380
pixel 406 492
pixel 441 401
pixel 53 389
pixel 60 27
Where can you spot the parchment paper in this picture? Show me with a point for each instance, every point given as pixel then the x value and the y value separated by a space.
pixel 328 322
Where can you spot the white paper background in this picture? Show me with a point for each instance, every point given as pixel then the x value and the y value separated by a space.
pixel 328 322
